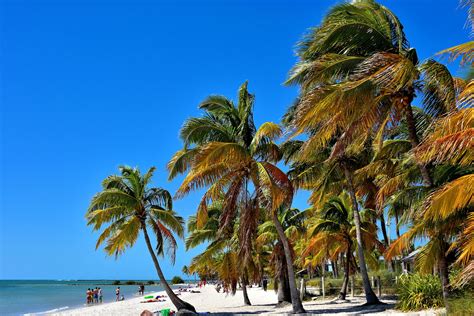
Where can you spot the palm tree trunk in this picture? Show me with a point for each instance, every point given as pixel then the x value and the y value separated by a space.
pixel 295 298
pixel 244 289
pixel 370 296
pixel 345 282
pixel 397 229
pixel 444 276
pixel 386 240
pixel 284 294
pixel 334 269
pixel 177 302
pixel 415 142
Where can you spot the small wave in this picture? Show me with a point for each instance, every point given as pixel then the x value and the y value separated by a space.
pixel 55 310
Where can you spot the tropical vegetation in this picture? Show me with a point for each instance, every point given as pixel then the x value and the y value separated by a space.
pixel 355 140
pixel 128 206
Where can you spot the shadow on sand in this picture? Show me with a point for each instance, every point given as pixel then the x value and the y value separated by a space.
pixel 314 308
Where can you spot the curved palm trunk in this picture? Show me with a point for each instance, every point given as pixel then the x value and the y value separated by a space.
pixel 295 298
pixel 347 264
pixel 415 142
pixel 177 302
pixel 370 296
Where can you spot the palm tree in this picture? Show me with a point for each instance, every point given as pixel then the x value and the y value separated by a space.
pixel 358 76
pixel 358 64
pixel 129 206
pixel 220 258
pixel 185 271
pixel 332 233
pixel 326 176
pixel 292 221
pixel 226 154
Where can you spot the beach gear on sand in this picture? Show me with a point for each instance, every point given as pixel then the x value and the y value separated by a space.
pixel 165 312
pixel 149 296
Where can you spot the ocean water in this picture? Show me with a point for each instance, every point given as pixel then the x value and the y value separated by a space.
pixel 20 297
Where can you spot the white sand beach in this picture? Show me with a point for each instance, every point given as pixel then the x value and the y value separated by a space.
pixel 209 301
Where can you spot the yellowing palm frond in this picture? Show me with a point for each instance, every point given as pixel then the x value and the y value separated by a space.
pixel 450 198
pixel 452 139
pixel 465 51
pixel 402 243
pixel 267 130
pixel 465 243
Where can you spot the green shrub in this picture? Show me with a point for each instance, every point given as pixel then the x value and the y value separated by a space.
pixel 417 292
pixel 151 282
pixel 130 283
pixel 117 282
pixel 177 280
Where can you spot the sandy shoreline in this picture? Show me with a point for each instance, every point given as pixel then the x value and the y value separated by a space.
pixel 209 301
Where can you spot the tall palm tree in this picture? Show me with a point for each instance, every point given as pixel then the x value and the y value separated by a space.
pixel 357 76
pixel 358 64
pixel 128 205
pixel 226 154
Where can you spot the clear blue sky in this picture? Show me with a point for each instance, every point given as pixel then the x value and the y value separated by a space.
pixel 86 86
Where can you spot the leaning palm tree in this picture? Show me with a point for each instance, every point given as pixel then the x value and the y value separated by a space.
pixel 225 153
pixel 358 76
pixel 128 205
pixel 358 64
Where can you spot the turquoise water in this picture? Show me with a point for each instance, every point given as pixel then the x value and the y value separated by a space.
pixel 19 297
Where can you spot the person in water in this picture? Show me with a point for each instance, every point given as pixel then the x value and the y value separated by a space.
pixel 117 294
pixel 99 291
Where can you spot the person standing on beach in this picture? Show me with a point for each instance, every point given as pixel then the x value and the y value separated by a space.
pixel 117 294
pixel 88 296
pixel 96 295
pixel 100 295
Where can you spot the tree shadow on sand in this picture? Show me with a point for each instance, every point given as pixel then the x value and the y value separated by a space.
pixel 311 310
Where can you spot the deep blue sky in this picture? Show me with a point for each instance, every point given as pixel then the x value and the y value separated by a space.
pixel 88 86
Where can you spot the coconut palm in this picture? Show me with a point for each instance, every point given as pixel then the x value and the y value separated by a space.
pixel 327 177
pixel 226 154
pixel 220 257
pixel 185 271
pixel 358 76
pixel 128 205
pixel 292 221
pixel 358 64
pixel 332 233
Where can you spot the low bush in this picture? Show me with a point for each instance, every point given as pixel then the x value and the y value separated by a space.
pixel 417 292
pixel 177 280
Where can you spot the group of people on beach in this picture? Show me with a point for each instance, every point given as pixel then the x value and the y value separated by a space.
pixel 94 295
